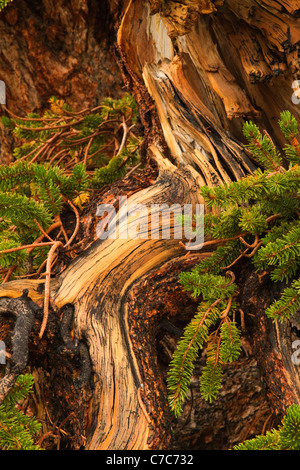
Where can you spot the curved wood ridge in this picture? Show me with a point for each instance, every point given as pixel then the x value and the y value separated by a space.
pixel 212 54
pixel 97 284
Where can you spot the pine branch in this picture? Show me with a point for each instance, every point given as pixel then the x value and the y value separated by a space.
pixel 262 147
pixel 286 437
pixel 255 219
pixel 182 364
pixel 287 305
pixel 3 3
pixel 17 430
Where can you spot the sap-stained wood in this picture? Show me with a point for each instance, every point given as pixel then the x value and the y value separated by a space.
pixel 198 70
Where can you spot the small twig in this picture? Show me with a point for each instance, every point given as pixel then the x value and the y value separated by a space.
pixel 77 224
pixel 142 404
pixel 232 275
pixel 40 119
pixel 35 273
pixel 221 240
pixel 51 253
pixel 45 436
pixel 124 138
pixel 48 155
pixel 43 231
pixel 30 153
pixel 255 245
pixel 9 273
pixel 247 244
pixel 133 169
pixel 49 128
pixel 242 318
pixel 41 237
pixel 61 154
pixel 58 220
pixel 43 149
pixel 266 422
pixel 227 309
pixel 25 247
pixel 249 255
pixel 272 217
pixel 235 261
pixel 75 142
pixel 86 153
pixel 100 149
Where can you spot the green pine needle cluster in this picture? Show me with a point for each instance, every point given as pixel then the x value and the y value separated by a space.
pixel 32 194
pixel 257 219
pixel 64 138
pixel 223 344
pixel 17 430
pixel 3 3
pixel 286 437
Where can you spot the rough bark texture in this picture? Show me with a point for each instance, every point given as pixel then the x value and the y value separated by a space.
pixel 198 69
pixel 61 49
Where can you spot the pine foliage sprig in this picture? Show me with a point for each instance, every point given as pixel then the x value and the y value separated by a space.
pixel 216 307
pixel 256 219
pixel 268 441
pixel 211 377
pixel 287 305
pixel 95 136
pixel 230 342
pixel 284 253
pixel 17 430
pixel 289 127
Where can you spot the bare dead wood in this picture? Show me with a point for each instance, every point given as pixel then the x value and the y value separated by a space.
pixel 197 69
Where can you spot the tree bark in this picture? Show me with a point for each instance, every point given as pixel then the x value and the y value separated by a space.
pixel 198 70
pixel 56 48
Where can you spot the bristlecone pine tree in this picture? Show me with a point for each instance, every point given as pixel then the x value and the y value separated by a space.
pixel 198 70
pixel 18 430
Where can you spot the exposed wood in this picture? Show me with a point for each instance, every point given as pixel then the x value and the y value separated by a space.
pixel 100 317
pixel 35 288
pixel 198 69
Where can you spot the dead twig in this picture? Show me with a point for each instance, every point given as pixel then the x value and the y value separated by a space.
pixel 51 253
pixel 76 227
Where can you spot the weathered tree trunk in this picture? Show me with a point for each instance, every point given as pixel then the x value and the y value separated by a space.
pixel 198 69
